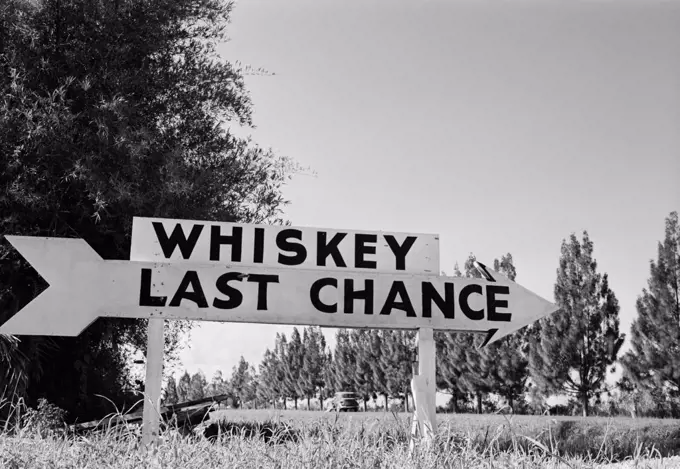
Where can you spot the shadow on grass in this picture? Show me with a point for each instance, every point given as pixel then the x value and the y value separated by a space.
pixel 271 432
pixel 379 434
pixel 574 438
pixel 594 441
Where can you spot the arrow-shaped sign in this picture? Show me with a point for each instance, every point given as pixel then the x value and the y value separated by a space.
pixel 84 287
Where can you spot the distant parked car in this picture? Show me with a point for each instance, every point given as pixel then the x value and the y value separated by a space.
pixel 345 402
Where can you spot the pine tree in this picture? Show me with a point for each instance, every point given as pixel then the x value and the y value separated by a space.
pixel 170 391
pixel 461 360
pixel 377 371
pixel 293 366
pixel 360 341
pixel 476 376
pixel 281 352
pixel 306 378
pixel 344 360
pixel 324 363
pixel 311 378
pixel 396 359
pixel 328 376
pixel 506 362
pixel 241 381
pixel 251 389
pixel 654 358
pixel 268 385
pixel 578 342
pixel 448 374
pixel 450 356
pixel 197 386
pixel 184 388
pixel 217 385
pixel 465 368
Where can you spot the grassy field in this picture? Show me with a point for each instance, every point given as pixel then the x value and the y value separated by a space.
pixel 612 439
pixel 299 439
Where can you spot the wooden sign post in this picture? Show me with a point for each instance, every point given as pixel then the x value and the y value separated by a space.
pixel 155 345
pixel 424 390
pixel 228 272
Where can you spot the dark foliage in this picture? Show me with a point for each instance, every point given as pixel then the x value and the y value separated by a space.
pixel 111 109
pixel 654 358
pixel 577 343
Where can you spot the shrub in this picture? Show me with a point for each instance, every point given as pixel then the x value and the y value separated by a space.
pixel 46 420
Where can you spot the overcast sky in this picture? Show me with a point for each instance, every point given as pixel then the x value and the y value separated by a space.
pixel 501 126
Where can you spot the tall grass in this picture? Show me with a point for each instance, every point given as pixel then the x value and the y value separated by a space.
pixel 335 442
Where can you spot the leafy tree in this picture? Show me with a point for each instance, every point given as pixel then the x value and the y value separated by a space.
pixel 578 342
pixel 128 113
pixel 184 388
pixel 311 374
pixel 653 360
pixel 170 391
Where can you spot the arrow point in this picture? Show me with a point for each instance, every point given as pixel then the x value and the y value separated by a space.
pixel 540 308
pixel 544 308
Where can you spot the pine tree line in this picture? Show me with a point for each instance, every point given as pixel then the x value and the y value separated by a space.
pixel 241 388
pixel 567 353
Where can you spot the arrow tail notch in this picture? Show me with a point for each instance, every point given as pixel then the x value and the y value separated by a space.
pixel 59 310
pixel 51 257
pixel 48 314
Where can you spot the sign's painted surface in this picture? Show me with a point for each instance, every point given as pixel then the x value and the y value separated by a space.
pixel 164 239
pixel 83 287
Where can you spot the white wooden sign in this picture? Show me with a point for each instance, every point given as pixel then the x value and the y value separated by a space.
pixel 164 239
pixel 83 287
pixel 190 241
pixel 231 272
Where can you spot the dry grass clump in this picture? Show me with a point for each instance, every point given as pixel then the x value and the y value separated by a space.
pixel 120 448
pixel 596 439
pixel 277 444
